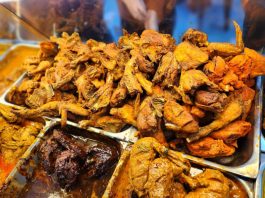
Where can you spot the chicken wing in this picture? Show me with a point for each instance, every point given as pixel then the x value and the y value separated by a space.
pixel 190 81
pixel 228 49
pixel 232 111
pixel 209 148
pixel 167 71
pixel 181 119
pixel 125 113
pixel 232 131
pixel 190 56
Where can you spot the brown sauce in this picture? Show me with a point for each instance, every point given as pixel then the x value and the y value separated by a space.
pixel 41 184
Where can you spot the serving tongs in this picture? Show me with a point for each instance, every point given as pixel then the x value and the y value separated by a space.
pixel 128 135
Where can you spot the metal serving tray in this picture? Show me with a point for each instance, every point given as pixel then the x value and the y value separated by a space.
pixel 245 161
pixel 18 178
pixel 260 182
pixel 247 184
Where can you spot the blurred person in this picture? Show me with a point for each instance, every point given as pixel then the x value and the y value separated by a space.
pixel 254 23
pixel 137 15
pixel 83 16
pixel 57 16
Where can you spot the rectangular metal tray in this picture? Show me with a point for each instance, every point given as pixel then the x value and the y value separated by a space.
pixel 17 179
pixel 247 184
pixel 260 182
pixel 246 160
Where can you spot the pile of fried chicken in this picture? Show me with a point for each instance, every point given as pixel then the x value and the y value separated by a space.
pixel 197 93
pixel 153 170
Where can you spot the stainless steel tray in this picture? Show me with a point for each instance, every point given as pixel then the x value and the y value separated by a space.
pixel 17 179
pixel 247 184
pixel 260 182
pixel 244 162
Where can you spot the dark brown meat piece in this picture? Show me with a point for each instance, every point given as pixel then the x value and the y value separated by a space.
pixel 103 158
pixel 67 168
pixel 210 101
pixel 79 148
pixel 48 153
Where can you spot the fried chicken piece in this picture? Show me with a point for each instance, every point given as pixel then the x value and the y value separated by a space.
pixel 178 190
pixel 190 56
pixel 108 123
pixel 145 150
pixel 7 113
pixel 154 45
pixel 125 113
pixel 196 112
pixel 195 37
pixel 118 96
pixel 167 71
pixel 53 108
pixel 181 119
pixel 210 101
pixel 40 96
pixel 62 76
pixel 216 69
pixel 146 84
pixel 85 87
pixel 48 48
pixel 101 98
pixel 241 65
pixel 212 183
pixel 231 132
pixel 258 61
pixel 190 81
pixel 209 147
pixel 42 66
pixel 129 79
pixel 129 41
pixel 149 118
pixel 231 112
pixel 146 119
pixel 247 94
pixel 160 178
pixel 144 65
pixel 228 49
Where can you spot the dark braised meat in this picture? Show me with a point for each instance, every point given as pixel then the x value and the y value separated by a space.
pixel 48 152
pixel 65 158
pixel 67 168
pixel 103 157
pixel 79 148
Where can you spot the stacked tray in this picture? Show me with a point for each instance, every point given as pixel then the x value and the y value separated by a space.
pixel 245 164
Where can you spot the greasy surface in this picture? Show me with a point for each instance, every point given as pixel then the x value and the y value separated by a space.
pixel 15 140
pixel 13 60
pixel 180 93
pixel 163 176
pixel 88 183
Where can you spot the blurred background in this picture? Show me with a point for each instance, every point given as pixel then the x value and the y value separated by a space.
pixel 33 20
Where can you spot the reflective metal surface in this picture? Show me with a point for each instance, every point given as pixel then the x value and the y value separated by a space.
pixel 260 182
